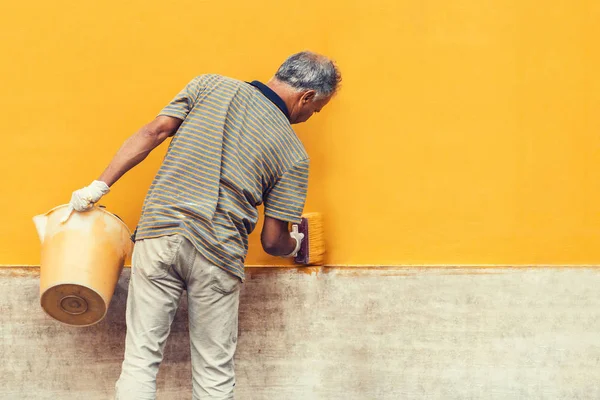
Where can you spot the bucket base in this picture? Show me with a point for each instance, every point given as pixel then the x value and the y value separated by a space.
pixel 73 304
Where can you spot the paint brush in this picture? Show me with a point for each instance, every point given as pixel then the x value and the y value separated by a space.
pixel 312 249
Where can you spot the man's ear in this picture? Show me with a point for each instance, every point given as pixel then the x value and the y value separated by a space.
pixel 308 96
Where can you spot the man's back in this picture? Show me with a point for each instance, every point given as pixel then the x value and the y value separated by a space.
pixel 234 150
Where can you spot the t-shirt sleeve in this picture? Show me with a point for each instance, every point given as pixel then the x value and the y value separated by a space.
pixel 286 199
pixel 182 104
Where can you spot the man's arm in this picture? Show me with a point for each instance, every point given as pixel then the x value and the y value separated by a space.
pixel 132 152
pixel 275 237
pixel 283 205
pixel 137 147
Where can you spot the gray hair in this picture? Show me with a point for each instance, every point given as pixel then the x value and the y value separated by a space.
pixel 310 71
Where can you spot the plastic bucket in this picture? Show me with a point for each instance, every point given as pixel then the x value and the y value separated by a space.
pixel 81 263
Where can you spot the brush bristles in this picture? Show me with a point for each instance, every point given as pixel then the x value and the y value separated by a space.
pixel 316 239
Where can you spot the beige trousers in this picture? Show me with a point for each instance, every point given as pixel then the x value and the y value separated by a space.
pixel 161 269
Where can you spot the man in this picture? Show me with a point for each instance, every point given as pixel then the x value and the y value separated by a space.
pixel 233 148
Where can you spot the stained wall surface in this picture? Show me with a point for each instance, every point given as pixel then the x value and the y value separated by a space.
pixel 338 334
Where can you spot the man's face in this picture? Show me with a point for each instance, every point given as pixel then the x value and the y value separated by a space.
pixel 307 106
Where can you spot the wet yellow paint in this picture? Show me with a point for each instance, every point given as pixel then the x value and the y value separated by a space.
pixel 466 132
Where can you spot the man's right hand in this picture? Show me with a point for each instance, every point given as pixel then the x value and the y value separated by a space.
pixel 84 199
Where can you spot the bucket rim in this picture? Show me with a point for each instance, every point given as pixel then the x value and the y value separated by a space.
pixel 94 207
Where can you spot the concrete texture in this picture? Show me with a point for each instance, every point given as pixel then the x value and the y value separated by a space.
pixel 336 333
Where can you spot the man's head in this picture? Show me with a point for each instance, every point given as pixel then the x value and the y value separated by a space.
pixel 306 82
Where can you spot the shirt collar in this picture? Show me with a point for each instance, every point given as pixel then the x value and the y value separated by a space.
pixel 271 95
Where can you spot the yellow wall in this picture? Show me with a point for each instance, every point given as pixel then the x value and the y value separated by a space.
pixel 467 132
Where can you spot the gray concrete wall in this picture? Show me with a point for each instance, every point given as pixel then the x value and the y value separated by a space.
pixel 340 334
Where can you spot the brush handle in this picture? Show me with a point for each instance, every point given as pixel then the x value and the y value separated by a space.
pixel 302 256
pixel 297 236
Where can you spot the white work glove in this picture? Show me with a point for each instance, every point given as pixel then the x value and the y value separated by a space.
pixel 299 237
pixel 84 199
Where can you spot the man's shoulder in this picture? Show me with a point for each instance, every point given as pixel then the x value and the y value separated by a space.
pixel 213 80
pixel 217 78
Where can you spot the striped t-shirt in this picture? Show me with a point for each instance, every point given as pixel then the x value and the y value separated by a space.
pixel 234 150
